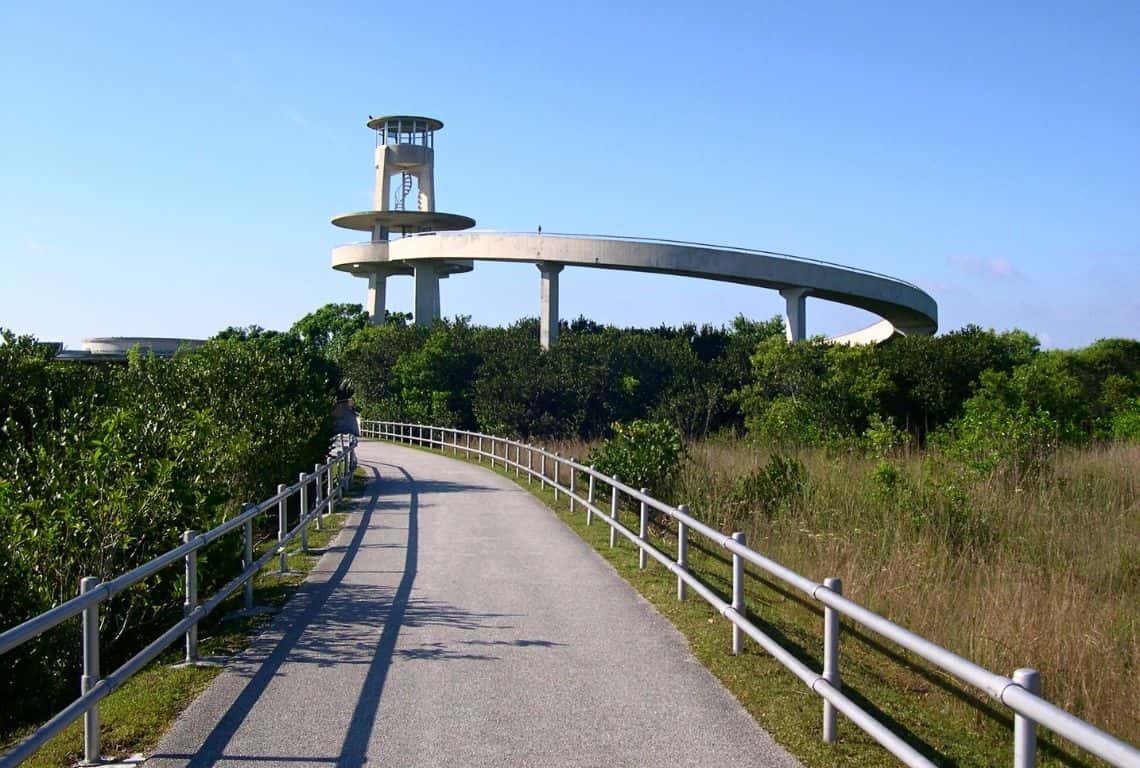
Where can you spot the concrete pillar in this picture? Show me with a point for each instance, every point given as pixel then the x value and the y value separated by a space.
pixel 426 179
pixel 382 191
pixel 426 294
pixel 548 311
pixel 377 288
pixel 796 315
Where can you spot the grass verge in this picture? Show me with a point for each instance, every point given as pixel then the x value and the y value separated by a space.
pixel 134 718
pixel 950 724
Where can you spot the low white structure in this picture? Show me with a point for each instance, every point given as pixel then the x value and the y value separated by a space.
pixel 431 249
pixel 112 348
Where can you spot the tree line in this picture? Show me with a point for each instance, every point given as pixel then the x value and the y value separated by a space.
pixel 746 379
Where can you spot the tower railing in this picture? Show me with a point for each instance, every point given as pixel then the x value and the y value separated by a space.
pixel 1020 693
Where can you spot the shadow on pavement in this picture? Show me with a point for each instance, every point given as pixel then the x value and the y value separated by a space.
pixel 354 748
pixel 331 623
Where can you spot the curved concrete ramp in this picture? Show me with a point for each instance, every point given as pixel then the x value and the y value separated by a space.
pixel 457 622
pixel 907 308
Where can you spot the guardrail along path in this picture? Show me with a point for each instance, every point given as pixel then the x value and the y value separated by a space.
pixel 456 621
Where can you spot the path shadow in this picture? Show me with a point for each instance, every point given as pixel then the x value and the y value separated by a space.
pixel 310 599
pixel 354 748
pixel 331 622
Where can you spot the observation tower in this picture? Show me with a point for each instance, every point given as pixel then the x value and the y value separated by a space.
pixel 405 151
pixel 430 248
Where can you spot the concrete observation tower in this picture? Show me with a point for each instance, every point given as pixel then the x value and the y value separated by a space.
pixel 431 248
pixel 405 152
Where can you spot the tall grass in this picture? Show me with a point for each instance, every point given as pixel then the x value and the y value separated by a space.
pixel 1043 572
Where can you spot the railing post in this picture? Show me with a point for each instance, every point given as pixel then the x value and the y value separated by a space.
pixel 542 469
pixel 573 473
pixel 190 597
pixel 282 528
pixel 518 458
pixel 468 448
pixel 642 530
pixel 329 491
pixel 557 474
pixel 737 593
pixel 247 559
pixel 831 657
pixel 529 464
pixel 492 452
pixel 455 442
pixel 90 671
pixel 682 551
pixel 304 513
pixel 480 451
pixel 317 495
pixel 590 496
pixel 1024 729
pixel 613 511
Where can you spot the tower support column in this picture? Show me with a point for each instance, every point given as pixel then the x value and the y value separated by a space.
pixel 426 179
pixel 548 296
pixel 377 290
pixel 426 294
pixel 796 313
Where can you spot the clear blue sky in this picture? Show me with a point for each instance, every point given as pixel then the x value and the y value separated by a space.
pixel 170 169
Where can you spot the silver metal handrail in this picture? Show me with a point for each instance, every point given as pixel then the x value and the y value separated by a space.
pixel 1019 692
pixel 329 481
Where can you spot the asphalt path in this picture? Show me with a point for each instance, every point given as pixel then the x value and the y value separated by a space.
pixel 455 621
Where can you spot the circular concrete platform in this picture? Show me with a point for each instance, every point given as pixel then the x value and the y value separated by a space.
pixel 398 221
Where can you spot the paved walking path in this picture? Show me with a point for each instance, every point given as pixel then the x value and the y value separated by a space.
pixel 455 621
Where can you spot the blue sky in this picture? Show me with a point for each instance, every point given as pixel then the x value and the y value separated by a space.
pixel 170 170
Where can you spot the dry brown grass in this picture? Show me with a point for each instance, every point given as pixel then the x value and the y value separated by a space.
pixel 1045 574
pixel 1042 574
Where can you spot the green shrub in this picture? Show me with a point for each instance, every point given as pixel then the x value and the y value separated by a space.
pixel 775 489
pixel 644 454
pixel 103 467
pixel 1126 422
pixel 882 437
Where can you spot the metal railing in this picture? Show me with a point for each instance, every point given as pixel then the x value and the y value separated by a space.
pixel 1019 692
pixel 329 481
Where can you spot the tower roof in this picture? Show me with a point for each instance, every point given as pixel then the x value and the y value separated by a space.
pixel 376 123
